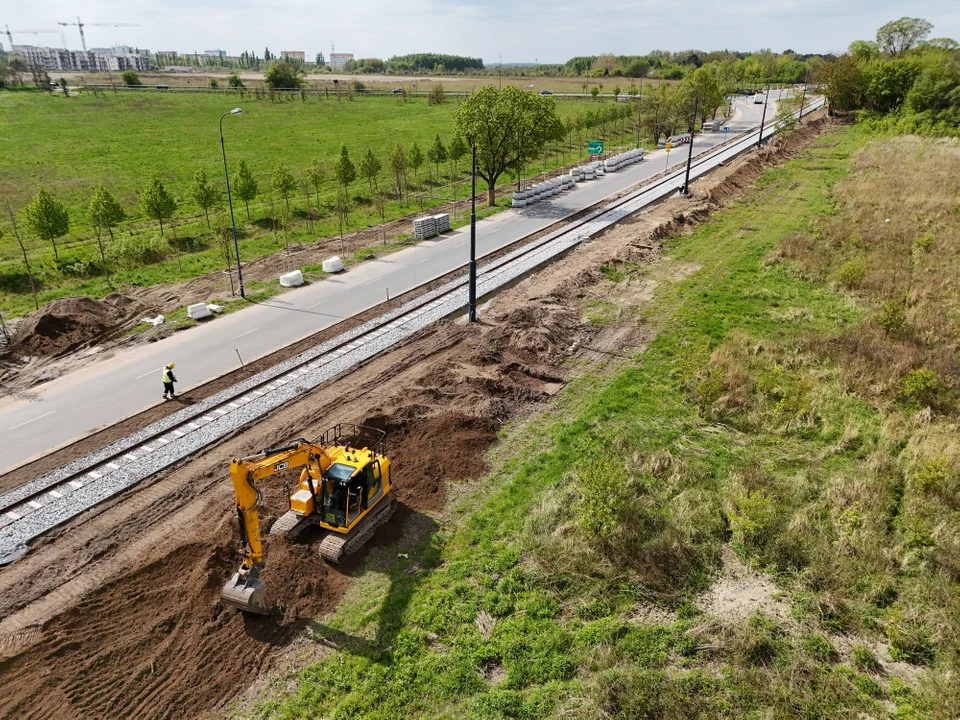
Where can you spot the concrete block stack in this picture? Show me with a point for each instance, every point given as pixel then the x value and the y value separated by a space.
pixel 612 164
pixel 424 227
pixel 541 190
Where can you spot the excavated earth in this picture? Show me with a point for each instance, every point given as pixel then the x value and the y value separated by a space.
pixel 118 614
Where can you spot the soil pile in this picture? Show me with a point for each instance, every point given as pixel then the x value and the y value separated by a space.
pixel 68 324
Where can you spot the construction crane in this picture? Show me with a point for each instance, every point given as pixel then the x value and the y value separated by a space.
pixel 83 40
pixel 32 32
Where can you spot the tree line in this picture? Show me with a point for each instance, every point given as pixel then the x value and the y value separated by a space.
pixel 913 81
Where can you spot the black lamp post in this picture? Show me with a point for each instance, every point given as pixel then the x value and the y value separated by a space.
pixel 693 129
pixel 226 175
pixel 472 310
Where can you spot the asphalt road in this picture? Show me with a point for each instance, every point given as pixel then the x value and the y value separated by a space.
pixel 110 389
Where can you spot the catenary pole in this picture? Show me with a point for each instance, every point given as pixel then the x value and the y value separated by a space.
pixel 472 314
pixel 233 224
pixel 693 128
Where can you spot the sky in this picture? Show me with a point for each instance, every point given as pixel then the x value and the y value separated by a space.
pixel 549 31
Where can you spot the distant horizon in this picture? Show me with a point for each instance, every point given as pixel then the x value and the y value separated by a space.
pixel 530 34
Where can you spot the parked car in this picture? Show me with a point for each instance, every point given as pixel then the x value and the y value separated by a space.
pixel 758 99
pixel 546 92
pixel 397 91
pixel 162 87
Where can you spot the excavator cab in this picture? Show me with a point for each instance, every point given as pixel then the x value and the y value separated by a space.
pixel 344 489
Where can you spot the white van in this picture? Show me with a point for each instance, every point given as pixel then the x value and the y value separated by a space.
pixel 758 99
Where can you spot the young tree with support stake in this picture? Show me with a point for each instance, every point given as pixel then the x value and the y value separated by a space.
pixel 204 193
pixel 506 126
pixel 437 154
pixel 48 219
pixel 105 214
pixel 157 203
pixel 456 150
pixel 246 186
pixel 344 171
pixel 316 175
pixel 284 183
pixel 23 249
pixel 415 161
pixel 370 168
pixel 398 168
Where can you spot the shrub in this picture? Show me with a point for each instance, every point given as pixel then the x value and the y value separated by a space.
pixel 819 648
pixel 130 78
pixel 919 387
pixel 133 251
pixel 850 275
pixel 909 640
pixel 924 243
pixel 863 659
pixel 890 317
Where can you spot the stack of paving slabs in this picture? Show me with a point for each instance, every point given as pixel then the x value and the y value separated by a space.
pixel 424 227
pixel 612 164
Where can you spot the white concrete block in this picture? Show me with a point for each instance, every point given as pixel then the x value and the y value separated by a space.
pixel 198 311
pixel 294 278
pixel 332 265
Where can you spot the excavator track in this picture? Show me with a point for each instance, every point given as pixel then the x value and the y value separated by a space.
pixel 291 524
pixel 336 547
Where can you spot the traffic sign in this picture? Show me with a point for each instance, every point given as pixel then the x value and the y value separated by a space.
pixel 595 147
pixel 669 146
pixel 726 129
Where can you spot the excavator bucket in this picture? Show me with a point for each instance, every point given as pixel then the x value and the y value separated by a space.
pixel 246 594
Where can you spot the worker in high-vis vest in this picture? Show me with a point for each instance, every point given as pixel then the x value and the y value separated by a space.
pixel 168 380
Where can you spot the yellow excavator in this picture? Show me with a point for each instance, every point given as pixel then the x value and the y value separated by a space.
pixel 344 489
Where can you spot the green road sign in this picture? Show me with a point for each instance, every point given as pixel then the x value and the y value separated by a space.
pixel 595 147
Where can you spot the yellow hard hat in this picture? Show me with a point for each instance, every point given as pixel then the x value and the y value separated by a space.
pixel 170 365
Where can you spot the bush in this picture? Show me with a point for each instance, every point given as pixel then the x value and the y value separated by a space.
pixel 130 78
pixel 850 275
pixel 863 659
pixel 819 648
pixel 131 251
pixel 890 317
pixel 919 387
pixel 909 640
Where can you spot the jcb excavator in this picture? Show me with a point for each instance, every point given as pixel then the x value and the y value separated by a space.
pixel 344 488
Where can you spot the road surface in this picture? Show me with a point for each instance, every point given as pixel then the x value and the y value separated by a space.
pixel 113 388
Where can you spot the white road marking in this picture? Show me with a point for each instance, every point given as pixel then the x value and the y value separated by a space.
pixel 147 373
pixel 30 421
pixel 371 282
pixel 244 334
pixel 310 307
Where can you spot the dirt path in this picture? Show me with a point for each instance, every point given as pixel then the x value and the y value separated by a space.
pixel 119 613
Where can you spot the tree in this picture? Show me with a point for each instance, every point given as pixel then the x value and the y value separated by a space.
pixel 246 185
pixel 23 249
pixel 285 75
pixel 344 171
pixel 204 193
pixel 370 168
pixel 105 214
pixel 130 78
pixel 436 94
pixel 156 202
pixel 595 90
pixel 284 183
pixel 398 168
pixel 457 149
pixel 616 92
pixel 415 161
pixel 266 53
pixel 380 202
pixel 437 154
pixel 316 176
pixel 234 81
pixel 843 83
pixel 864 50
pixel 341 208
pixel 213 84
pixel 506 126
pixel 47 217
pixel 898 36
pixel 64 88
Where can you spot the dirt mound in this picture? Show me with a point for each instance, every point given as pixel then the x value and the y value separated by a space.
pixel 67 324
pixel 541 331
pixel 159 643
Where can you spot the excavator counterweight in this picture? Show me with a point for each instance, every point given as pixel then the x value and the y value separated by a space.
pixel 344 489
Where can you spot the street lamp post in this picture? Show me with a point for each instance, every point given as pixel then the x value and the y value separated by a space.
pixel 693 129
pixel 472 310
pixel 763 116
pixel 233 224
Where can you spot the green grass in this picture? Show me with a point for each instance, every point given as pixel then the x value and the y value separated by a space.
pixel 728 429
pixel 69 145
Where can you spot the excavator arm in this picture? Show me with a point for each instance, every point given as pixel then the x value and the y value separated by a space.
pixel 245 590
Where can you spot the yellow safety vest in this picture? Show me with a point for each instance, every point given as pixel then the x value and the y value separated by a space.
pixel 167 375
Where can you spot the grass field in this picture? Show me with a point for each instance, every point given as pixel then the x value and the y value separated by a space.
pixel 762 421
pixel 69 145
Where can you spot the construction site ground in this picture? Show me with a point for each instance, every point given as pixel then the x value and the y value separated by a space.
pixel 118 612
